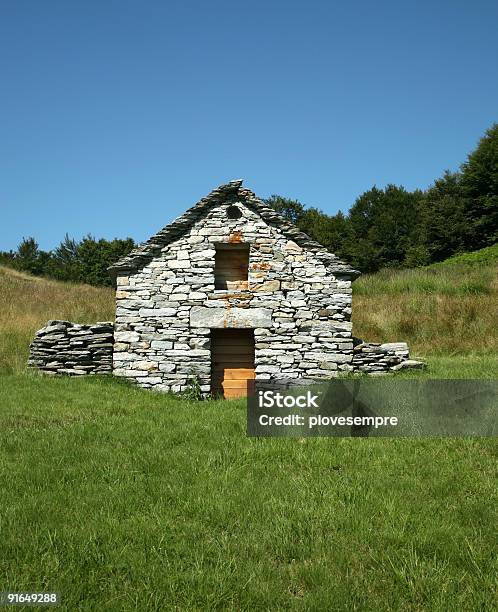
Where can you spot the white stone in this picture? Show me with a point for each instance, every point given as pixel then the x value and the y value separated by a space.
pixel 269 369
pixel 285 358
pixel 178 297
pixel 201 316
pixel 161 344
pixel 179 264
pixel 328 357
pixel 292 247
pixel 145 365
pixel 126 336
pixel 157 312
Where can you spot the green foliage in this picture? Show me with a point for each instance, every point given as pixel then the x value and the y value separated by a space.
pixel 88 260
pixel 291 210
pixel 480 189
pixel 383 224
pixel 29 257
pixel 7 258
pixel 193 391
pixel 331 231
pixel 78 262
pixel 65 264
pixel 482 257
pixel 443 227
pixel 326 229
pixel 460 211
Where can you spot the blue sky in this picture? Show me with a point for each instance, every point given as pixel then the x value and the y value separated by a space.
pixel 116 116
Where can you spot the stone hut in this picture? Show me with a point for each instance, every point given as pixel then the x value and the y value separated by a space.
pixel 230 292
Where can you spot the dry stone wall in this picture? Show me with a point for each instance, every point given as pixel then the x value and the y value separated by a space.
pixel 299 310
pixel 62 347
pixel 376 359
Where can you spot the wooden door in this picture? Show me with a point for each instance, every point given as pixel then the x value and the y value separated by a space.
pixel 232 362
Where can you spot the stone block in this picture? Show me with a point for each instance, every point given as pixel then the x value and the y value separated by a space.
pixel 179 264
pixel 328 357
pixel 268 369
pixel 219 318
pixel 161 344
pixel 157 312
pixel 266 286
pixel 409 364
pixel 148 366
pixel 126 336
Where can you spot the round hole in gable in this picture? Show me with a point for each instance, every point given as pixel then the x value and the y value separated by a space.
pixel 234 212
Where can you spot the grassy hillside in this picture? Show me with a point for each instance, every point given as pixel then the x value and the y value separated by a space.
pixel 444 309
pixel 28 302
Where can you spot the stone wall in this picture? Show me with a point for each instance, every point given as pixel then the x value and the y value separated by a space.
pixel 62 347
pixel 375 359
pixel 300 311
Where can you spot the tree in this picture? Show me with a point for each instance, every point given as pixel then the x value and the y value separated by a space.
pixel 29 257
pixel 443 229
pixel 291 210
pixel 329 230
pixel 65 264
pixel 96 256
pixel 383 226
pixel 79 262
pixel 479 185
pixel 7 258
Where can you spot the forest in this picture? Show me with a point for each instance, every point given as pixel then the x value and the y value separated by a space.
pixel 387 227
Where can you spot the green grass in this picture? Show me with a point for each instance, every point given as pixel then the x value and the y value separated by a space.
pixel 122 499
pixel 443 309
pixel 455 367
pixel 486 256
pixel 465 274
pixel 462 279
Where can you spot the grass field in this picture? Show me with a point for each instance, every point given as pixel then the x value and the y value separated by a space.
pixel 448 308
pixel 123 499
pixel 28 302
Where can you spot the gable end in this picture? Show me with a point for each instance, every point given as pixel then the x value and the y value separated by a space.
pixel 230 193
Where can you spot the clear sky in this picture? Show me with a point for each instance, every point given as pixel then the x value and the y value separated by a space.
pixel 118 115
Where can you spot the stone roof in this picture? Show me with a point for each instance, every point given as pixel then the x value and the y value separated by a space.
pixel 231 192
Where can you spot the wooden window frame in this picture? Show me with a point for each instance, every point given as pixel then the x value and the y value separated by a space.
pixel 231 275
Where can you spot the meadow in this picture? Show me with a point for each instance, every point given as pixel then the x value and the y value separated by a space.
pixel 27 302
pixel 449 308
pixel 123 499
